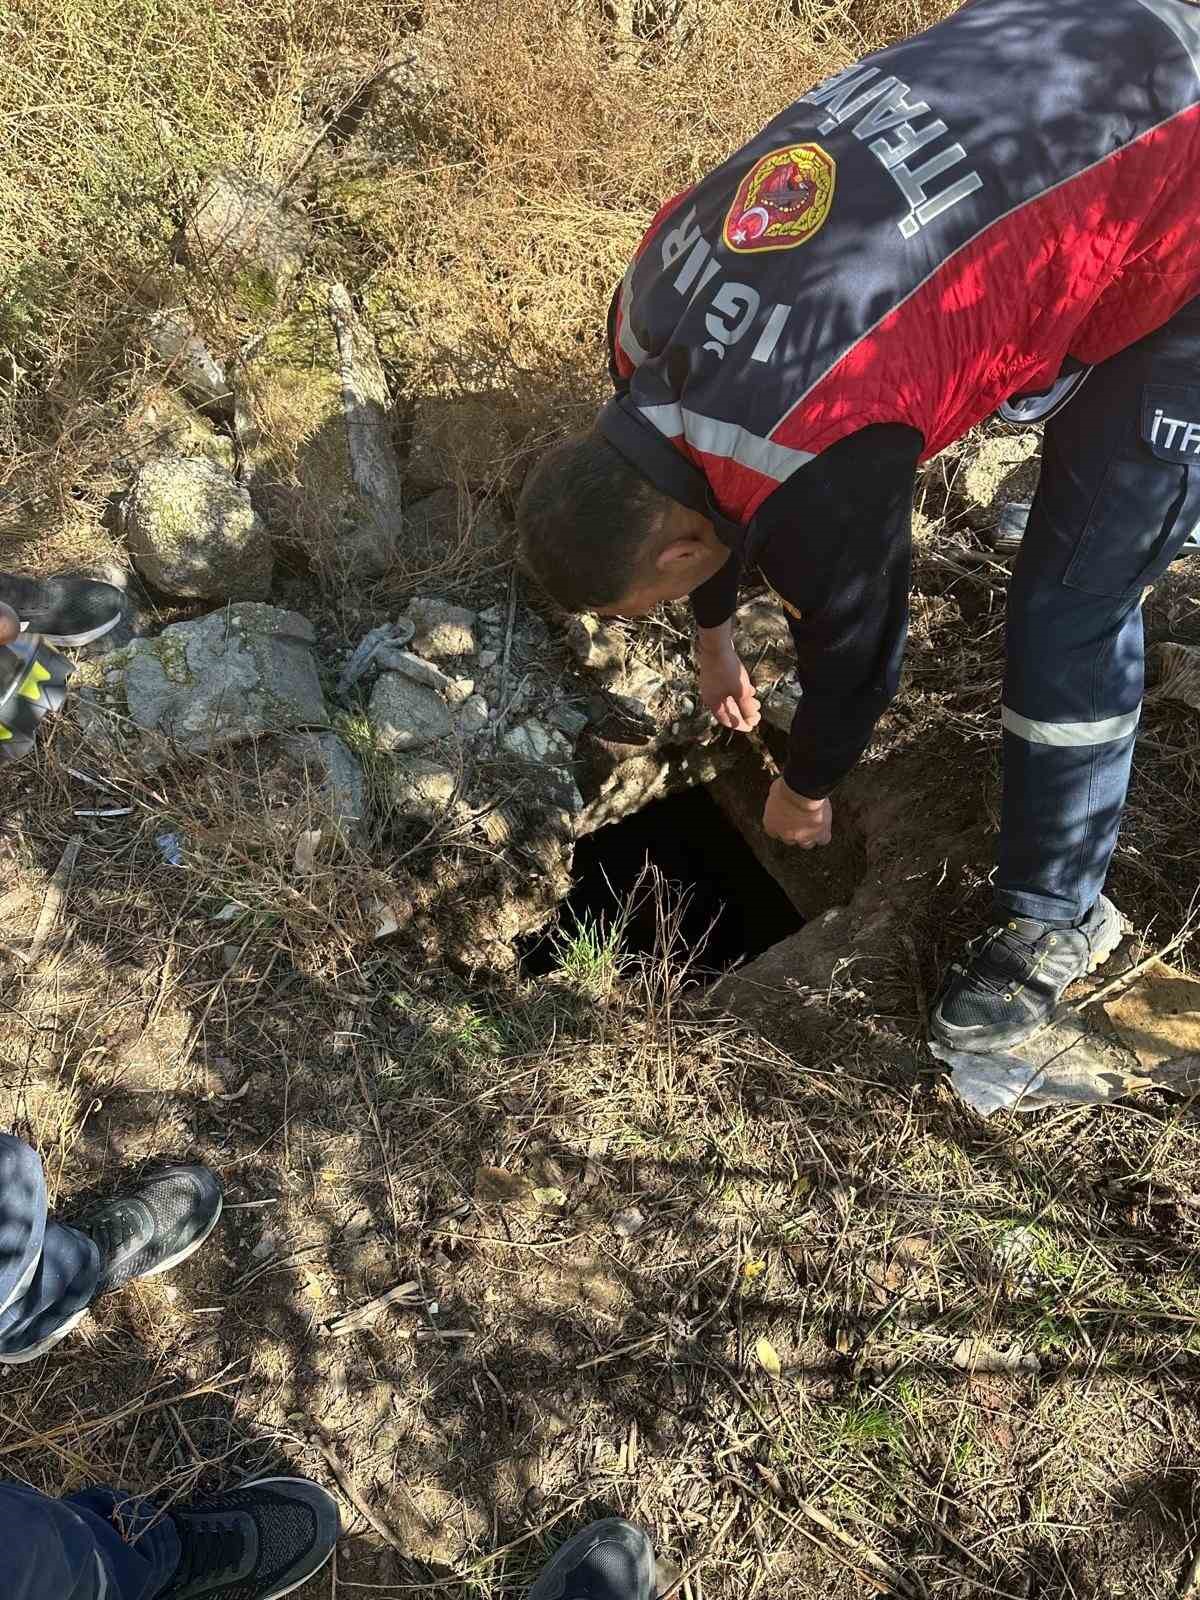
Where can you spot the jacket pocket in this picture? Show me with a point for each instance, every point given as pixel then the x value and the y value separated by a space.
pixel 1149 501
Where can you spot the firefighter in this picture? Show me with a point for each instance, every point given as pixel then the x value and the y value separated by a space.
pixel 999 213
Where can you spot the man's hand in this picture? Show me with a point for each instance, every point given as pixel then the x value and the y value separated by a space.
pixel 796 820
pixel 725 686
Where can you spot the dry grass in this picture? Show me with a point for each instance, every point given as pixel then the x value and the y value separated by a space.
pixel 833 1200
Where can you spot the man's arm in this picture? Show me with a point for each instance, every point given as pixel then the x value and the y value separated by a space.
pixel 835 544
pixel 715 601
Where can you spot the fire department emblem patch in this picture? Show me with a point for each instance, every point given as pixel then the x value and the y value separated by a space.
pixel 782 201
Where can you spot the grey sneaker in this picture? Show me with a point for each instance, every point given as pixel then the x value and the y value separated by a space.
pixel 156 1227
pixel 1014 976
pixel 257 1542
pixel 611 1560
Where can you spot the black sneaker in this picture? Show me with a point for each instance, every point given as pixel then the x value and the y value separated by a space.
pixel 1015 975
pixel 66 611
pixel 611 1560
pixel 254 1543
pixel 154 1228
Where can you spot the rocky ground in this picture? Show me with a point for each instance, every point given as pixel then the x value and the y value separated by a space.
pixel 503 1251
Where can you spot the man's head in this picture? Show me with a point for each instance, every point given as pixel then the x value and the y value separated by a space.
pixel 598 537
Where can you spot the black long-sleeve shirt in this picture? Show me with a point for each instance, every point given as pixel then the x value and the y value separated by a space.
pixel 834 543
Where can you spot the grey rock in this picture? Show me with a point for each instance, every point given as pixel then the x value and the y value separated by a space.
pixel 420 787
pixel 192 531
pixel 405 715
pixel 444 632
pixel 244 233
pixel 473 716
pixel 414 669
pixel 376 533
pixel 175 341
pixel 452 520
pixel 334 770
pixel 460 691
pixel 491 617
pixel 569 720
pixel 235 674
pixel 162 423
pixel 639 682
pixel 488 659
pixel 532 742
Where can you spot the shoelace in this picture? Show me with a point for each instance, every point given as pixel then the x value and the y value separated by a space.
pixel 111 1229
pixel 211 1549
pixel 1002 955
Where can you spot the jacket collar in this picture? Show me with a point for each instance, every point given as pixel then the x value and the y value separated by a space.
pixel 668 469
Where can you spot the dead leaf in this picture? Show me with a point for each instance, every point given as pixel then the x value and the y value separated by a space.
pixel 914 1251
pixel 977 1355
pixel 768 1358
pixel 305 861
pixel 551 1195
pixel 628 1223
pixel 501 1187
pixel 1159 1016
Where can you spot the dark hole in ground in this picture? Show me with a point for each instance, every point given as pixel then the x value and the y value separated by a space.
pixel 734 909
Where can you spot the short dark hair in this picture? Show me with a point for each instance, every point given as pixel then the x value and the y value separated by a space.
pixel 583 518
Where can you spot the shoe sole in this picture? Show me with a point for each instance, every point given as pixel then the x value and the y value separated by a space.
pixel 60 1332
pixel 998 1047
pixel 76 641
pixel 277 1594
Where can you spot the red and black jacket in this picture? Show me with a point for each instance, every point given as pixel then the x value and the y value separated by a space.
pixel 935 229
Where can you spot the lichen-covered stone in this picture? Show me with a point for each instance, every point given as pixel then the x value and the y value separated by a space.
pixel 405 715
pixel 298 417
pixel 192 531
pixel 163 424
pixel 235 674
pixel 444 632
pixel 245 235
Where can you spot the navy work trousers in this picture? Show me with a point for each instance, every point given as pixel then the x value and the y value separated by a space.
pixel 1119 495
pixel 96 1545
pixel 48 1272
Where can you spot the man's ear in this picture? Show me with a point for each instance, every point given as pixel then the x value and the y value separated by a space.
pixel 679 555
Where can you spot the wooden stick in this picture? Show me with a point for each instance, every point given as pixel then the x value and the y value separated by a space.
pixel 55 894
pixel 364 1315
pixel 352 1492
pixel 136 1409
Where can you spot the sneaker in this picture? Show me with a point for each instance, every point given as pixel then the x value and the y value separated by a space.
pixel 139 1235
pixel 611 1560
pixel 154 1228
pixel 1015 975
pixel 254 1543
pixel 65 611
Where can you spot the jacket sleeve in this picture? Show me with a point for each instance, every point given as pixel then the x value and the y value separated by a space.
pixel 715 601
pixel 834 543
